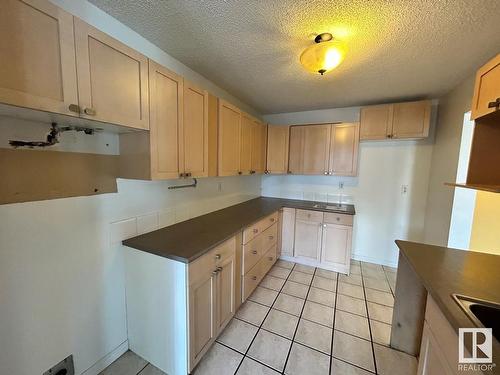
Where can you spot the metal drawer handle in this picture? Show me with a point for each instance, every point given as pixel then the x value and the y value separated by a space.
pixel 256 230
pixel 89 111
pixel 494 104
pixel 219 269
pixel 75 108
pixel 272 220
pixel 254 278
pixel 215 272
pixel 271 237
pixel 271 258
pixel 217 256
pixel 254 252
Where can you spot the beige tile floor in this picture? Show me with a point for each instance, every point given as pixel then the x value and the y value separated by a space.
pixel 305 321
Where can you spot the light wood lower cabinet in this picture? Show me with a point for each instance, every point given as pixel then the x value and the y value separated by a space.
pixel 316 238
pixel 259 244
pixel 175 311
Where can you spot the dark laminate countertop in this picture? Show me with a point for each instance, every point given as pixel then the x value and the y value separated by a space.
pixel 188 240
pixel 444 271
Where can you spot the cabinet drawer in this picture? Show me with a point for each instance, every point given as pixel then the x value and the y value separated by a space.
pixel 268 260
pixel 208 262
pixel 253 230
pixel 342 219
pixel 253 250
pixel 315 216
pixel 251 280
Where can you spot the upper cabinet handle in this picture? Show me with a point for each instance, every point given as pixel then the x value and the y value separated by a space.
pixel 256 230
pixel 75 108
pixel 89 111
pixel 217 256
pixel 495 104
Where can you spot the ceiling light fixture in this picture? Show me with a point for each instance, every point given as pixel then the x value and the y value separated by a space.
pixel 325 55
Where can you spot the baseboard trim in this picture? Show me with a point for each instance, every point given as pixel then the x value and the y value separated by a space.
pixel 108 359
pixel 364 258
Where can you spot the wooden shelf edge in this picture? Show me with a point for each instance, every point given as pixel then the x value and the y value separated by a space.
pixel 490 188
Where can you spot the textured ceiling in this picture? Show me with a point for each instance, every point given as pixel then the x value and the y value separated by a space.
pixel 398 49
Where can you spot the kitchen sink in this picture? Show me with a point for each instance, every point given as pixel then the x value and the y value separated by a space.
pixel 482 313
pixel 333 207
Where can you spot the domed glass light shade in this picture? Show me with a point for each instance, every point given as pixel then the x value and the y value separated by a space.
pixel 323 56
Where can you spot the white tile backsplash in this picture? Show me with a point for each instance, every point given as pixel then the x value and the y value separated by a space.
pixel 121 230
pixel 147 223
pixel 166 218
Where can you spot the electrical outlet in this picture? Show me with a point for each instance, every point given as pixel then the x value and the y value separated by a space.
pixel 404 189
pixel 65 367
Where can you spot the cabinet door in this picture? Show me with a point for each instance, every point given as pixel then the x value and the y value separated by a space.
pixel 296 154
pixel 202 317
pixel 37 56
pixel 375 122
pixel 246 144
pixel 307 240
pixel 112 79
pixel 432 360
pixel 411 120
pixel 336 246
pixel 344 149
pixel 288 231
pixel 277 149
pixel 316 149
pixel 487 88
pixel 229 139
pixel 166 94
pixel 259 139
pixel 195 131
pixel 226 278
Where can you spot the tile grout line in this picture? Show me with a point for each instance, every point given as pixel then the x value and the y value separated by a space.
pixel 263 320
pixel 369 324
pixel 298 322
pixel 333 328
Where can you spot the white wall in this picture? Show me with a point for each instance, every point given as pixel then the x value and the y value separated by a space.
pixel 61 266
pixel 383 213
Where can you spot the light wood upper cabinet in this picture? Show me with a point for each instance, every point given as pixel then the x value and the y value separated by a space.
pixel 400 120
pixel 195 131
pixel 226 290
pixel 37 55
pixel 316 149
pixel 166 122
pixel 487 89
pixel 344 149
pixel 277 149
pixel 376 122
pixel 296 153
pixel 246 144
pixel 259 141
pixel 411 120
pixel 112 79
pixel 229 139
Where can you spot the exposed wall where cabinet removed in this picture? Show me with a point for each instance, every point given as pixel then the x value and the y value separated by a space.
pixel 452 108
pixel 61 266
pixel 383 213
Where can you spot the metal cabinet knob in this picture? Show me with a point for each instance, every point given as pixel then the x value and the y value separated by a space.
pixel 219 269
pixel 254 252
pixel 271 258
pixel 324 225
pixel 271 237
pixel 89 111
pixel 326 173
pixel 256 230
pixel 272 220
pixel 338 218
pixel 330 173
pixel 75 108
pixel 254 278
pixel 240 172
pixel 217 256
